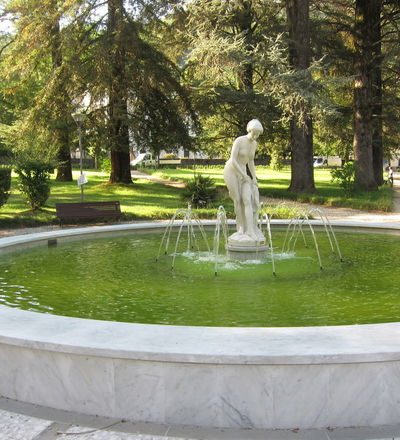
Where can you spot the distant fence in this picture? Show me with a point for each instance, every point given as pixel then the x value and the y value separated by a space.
pixel 86 163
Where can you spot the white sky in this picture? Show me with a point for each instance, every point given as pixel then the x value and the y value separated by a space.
pixel 5 25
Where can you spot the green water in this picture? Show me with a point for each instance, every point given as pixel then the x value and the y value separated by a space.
pixel 118 279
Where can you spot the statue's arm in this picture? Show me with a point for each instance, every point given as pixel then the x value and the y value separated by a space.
pixel 252 169
pixel 235 164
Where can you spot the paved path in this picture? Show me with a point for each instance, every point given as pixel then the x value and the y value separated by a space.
pixel 21 421
pixel 139 175
pixel 340 213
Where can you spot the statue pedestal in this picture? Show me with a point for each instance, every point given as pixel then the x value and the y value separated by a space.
pixel 242 247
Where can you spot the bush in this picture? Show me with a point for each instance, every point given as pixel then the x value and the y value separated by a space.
pixel 5 184
pixel 34 181
pixel 200 191
pixel 345 176
pixel 277 161
pixel 105 165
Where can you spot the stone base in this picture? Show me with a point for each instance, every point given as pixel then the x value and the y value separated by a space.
pixel 242 247
pixel 245 253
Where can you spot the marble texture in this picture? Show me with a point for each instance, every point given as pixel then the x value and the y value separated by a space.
pixel 19 427
pixel 83 433
pixel 241 181
pixel 262 378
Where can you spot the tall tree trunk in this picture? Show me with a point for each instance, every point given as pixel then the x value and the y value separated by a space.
pixel 64 168
pixel 118 96
pixel 245 22
pixel 377 92
pixel 302 179
pixel 365 178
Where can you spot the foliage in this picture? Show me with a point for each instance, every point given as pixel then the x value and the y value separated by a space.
pixel 34 181
pixel 34 63
pixel 200 192
pixel 105 165
pixel 277 160
pixel 5 183
pixel 73 54
pixel 182 65
pixel 170 156
pixel 282 211
pixel 345 176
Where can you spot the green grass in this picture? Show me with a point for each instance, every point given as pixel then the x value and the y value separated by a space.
pixel 146 200
pixel 275 184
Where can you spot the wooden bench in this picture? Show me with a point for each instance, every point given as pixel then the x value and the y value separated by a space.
pixel 88 210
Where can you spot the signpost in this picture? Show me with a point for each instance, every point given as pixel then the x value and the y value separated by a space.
pixel 79 119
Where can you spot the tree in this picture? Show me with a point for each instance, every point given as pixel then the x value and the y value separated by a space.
pixel 118 94
pixel 146 104
pixel 34 62
pixel 61 100
pixel 331 24
pixel 219 40
pixel 103 57
pixel 377 94
pixel 302 179
pixel 365 14
pixel 380 40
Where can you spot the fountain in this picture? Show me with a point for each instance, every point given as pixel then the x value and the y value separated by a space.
pixel 300 377
pixel 187 222
pixel 226 377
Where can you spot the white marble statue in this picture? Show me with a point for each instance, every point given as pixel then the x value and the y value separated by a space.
pixel 241 180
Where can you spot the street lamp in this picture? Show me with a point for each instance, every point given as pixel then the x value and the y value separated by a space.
pixel 79 119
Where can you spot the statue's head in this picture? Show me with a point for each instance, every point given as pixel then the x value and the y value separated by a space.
pixel 255 125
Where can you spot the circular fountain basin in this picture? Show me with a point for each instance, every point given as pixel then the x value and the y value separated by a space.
pixel 298 377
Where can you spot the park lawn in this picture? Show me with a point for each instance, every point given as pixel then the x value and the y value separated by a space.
pixel 275 184
pixel 142 200
pixel 147 200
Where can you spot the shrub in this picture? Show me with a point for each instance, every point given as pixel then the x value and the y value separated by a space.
pixel 277 161
pixel 34 181
pixel 345 176
pixel 5 184
pixel 105 165
pixel 200 191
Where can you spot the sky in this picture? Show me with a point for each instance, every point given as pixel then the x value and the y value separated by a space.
pixel 5 25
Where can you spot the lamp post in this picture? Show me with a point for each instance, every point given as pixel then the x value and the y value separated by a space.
pixel 79 118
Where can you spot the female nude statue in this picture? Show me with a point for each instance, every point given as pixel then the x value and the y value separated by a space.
pixel 240 178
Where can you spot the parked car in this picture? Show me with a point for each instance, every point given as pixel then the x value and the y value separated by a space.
pixel 320 162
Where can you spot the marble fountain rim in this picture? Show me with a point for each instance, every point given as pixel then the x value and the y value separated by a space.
pixel 210 345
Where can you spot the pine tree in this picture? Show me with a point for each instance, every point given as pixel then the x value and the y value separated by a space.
pixel 302 179
pixel 118 94
pixel 363 97
pixel 34 63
